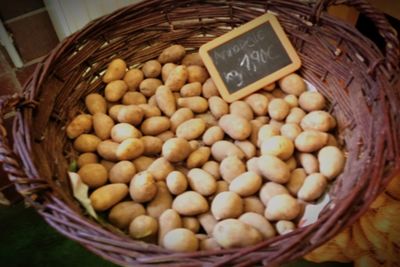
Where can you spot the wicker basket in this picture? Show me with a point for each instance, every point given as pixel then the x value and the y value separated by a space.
pixel 358 80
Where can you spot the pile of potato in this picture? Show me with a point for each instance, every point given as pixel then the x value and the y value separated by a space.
pixel 174 164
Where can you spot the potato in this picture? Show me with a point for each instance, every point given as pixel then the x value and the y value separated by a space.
pixel 278 146
pixel 284 227
pixel 142 187
pixel 241 109
pixel 166 70
pixel 222 149
pixel 115 70
pixel 310 101
pixel 212 167
pixel 149 86
pixel 209 244
pixel 107 164
pixel 123 131
pixel 309 162
pixel 181 240
pixel 253 204
pixel 258 103
pixel 252 165
pixel 295 115
pixel 165 100
pixel 246 184
pixel 193 59
pixel 152 145
pixel 313 187
pixel 197 104
pixel 191 223
pixel 79 125
pixel 271 189
pixel 296 181
pixel 122 214
pixel 176 149
pixel 259 223
pixel 191 89
pixel 197 74
pixel 310 141
pixel 291 163
pixel 86 143
pixel 227 205
pixel 176 182
pixel 180 116
pixel 160 169
pixel 102 125
pixel 278 109
pixel 194 145
pixel 218 106
pixel 143 226
pixel 190 203
pixel 393 188
pixel 208 118
pixel 93 174
pixel 133 98
pixel 161 201
pixel 282 207
pixel 198 157
pixel 95 103
pixel 207 222
pixel 108 150
pixel 115 90
pixel 231 167
pixel 266 132
pixel 172 54
pixel 114 110
pixel 107 196
pixel 86 158
pixel 235 126
pixel 293 84
pixel 129 149
pixel 151 69
pixel 142 163
pixel 232 233
pixel 133 78
pixel 276 124
pixel 164 136
pixel 155 125
pixel 191 129
pixel 131 114
pixel 202 182
pixel 331 161
pixel 209 89
pixel 255 128
pixel 168 221
pixel 292 100
pixel 177 78
pixel 273 168
pixel 290 130
pixel 269 87
pixel 319 121
pixel 149 110
pixel 212 135
pixel 122 172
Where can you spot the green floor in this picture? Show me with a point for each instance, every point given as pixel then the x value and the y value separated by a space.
pixel 26 240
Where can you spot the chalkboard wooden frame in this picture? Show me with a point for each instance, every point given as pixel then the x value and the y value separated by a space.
pixel 211 66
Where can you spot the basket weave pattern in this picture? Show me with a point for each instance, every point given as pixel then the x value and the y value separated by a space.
pixel 361 83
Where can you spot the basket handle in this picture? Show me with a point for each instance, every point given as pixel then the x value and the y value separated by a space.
pixel 388 33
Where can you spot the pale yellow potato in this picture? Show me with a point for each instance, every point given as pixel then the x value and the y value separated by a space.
pixel 114 110
pixel 197 74
pixel 265 132
pixel 246 184
pixel 107 196
pixel 166 70
pixel 252 165
pixel 86 158
pixel 164 136
pixel 107 149
pixel 282 207
pixel 142 187
pixel 151 69
pixel 313 187
pixel 133 98
pixel 95 103
pixel 191 89
pixel 235 126
pixel 130 149
pixel 102 125
pixel 271 189
pixel 309 162
pixel 212 135
pixel 152 145
pixel 174 53
pixel 209 244
pixel 293 84
pixel 207 222
pixel 295 115
pixel 191 129
pixel 176 182
pixel 142 163
pixel 181 240
pixel 107 164
pixel 177 78
pixel 131 114
pixel 253 204
pixel 284 227
pixel 258 103
pixel 255 128
pixel 160 168
pixel 122 172
pixel 278 109
pixel 290 130
pixel 259 223
pixel 115 90
pixel 149 110
pixel 296 181
pixel 227 205
pixel 292 100
pixel 133 78
pixel 222 149
pixel 149 86
pixel 165 100
pixel 155 125
pixel 273 168
pixel 180 116
pixel 122 214
pixel 93 174
pixel 331 161
pixel 176 149
pixel 310 141
pixel 202 182
pixel 209 89
pixel 247 147
pixel 310 101
pixel 241 109
pixel 79 125
pixel 143 226
pixel 212 167
pixel 232 233
pixel 86 143
pixel 193 59
pixel 291 163
pixel 115 70
pixel 198 157
pixel 161 201
pixel 123 131
pixel 218 106
pixel 190 203
pixel 318 120
pixel 197 104
pixel 191 223
pixel 279 146
pixel 168 221
pixel 231 167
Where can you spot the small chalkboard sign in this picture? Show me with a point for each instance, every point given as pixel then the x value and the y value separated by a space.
pixel 249 57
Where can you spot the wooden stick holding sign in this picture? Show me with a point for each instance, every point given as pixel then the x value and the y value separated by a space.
pixel 247 58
